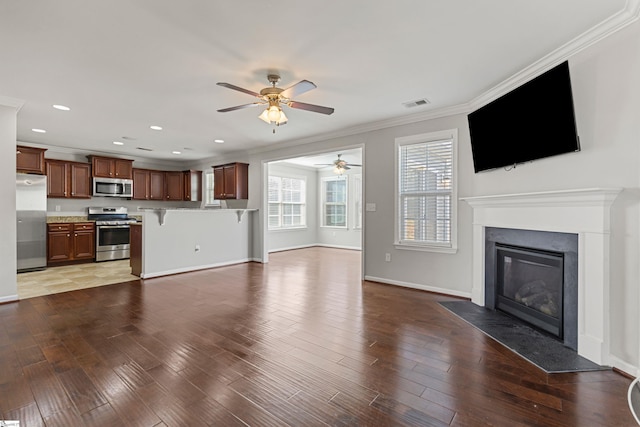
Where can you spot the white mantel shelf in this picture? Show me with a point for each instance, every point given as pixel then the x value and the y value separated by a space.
pixel 583 196
pixel 585 212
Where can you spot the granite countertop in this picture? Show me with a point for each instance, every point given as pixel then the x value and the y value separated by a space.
pixel 67 219
pixel 70 218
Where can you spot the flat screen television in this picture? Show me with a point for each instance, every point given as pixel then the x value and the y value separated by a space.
pixel 534 121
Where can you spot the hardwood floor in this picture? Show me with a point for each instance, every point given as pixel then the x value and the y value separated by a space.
pixel 297 342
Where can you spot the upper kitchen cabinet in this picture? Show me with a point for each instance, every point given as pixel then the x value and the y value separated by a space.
pixel 231 181
pixel 174 185
pixel 30 160
pixel 148 184
pixel 109 167
pixel 68 179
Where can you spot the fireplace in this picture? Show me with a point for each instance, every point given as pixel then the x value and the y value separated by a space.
pixel 533 276
pixel 583 213
pixel 529 286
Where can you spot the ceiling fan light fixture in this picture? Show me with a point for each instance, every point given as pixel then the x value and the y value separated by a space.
pixel 273 115
pixel 338 170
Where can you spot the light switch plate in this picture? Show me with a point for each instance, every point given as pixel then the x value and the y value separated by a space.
pixel 370 207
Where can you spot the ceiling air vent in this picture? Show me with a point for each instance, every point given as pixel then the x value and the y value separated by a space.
pixel 416 103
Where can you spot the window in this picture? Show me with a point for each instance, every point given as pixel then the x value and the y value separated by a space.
pixel 208 189
pixel 287 200
pixel 425 192
pixel 334 201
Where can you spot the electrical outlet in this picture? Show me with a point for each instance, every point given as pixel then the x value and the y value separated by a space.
pixel 387 257
pixel 57 208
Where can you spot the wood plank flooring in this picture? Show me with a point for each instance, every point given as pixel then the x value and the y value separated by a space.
pixel 296 342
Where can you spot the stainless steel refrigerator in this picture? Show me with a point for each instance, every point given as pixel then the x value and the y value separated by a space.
pixel 31 213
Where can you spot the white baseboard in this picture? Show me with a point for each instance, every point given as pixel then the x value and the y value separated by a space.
pixel 9 298
pixel 353 248
pixel 291 248
pixel 624 366
pixel 192 268
pixel 419 286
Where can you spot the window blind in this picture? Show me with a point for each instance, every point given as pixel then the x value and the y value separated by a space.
pixel 425 192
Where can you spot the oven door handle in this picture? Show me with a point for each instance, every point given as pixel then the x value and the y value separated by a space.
pixel 113 226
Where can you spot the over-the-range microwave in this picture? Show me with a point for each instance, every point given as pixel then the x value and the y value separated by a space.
pixel 112 187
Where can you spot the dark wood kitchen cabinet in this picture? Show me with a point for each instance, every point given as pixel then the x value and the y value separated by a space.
pixel 109 167
pixel 30 160
pixel 231 181
pixel 67 242
pixel 148 184
pixel 68 179
pixel 174 185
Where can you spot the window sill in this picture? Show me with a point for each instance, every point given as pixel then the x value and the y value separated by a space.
pixel 426 248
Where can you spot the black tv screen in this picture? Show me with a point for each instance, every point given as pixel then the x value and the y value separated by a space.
pixel 534 121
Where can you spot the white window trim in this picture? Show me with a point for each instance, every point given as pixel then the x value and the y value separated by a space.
pixel 304 204
pixel 346 203
pixel 215 203
pixel 451 248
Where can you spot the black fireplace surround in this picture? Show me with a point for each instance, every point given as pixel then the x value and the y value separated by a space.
pixel 550 304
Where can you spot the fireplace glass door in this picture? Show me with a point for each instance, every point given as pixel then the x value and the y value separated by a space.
pixel 530 286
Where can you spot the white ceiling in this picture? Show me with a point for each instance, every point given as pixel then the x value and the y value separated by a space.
pixel 124 65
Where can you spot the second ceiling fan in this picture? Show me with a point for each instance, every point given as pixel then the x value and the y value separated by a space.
pixel 274 97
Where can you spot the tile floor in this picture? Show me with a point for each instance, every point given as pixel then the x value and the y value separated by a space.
pixel 71 277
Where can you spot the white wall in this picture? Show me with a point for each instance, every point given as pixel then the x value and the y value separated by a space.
pixel 8 252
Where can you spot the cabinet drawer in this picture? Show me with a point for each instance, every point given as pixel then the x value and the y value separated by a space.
pixel 83 226
pixel 53 227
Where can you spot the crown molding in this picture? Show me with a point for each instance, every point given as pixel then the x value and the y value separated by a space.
pixel 604 29
pixel 11 102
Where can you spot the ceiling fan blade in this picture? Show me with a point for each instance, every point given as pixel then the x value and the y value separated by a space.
pixel 298 89
pixel 239 107
pixel 353 164
pixel 238 88
pixel 310 107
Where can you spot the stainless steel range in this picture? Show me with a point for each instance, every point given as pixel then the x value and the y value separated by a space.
pixel 112 232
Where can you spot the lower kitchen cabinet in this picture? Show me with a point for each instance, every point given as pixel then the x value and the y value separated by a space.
pixel 70 242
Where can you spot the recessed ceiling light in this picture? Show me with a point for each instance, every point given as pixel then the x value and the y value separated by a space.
pixel 219 141
pixel 118 142
pixel 154 127
pixel 176 152
pixel 39 130
pixel 61 107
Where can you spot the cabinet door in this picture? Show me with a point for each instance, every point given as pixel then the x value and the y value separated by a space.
pixel 230 182
pixel 156 187
pixel 30 160
pixel 123 168
pixel 173 182
pixel 58 246
pixel 141 184
pixel 83 243
pixel 80 180
pixel 218 183
pixel 56 179
pixel 102 167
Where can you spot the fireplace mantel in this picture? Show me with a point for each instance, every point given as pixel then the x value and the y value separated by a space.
pixel 584 212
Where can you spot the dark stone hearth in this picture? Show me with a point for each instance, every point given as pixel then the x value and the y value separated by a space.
pixel 546 352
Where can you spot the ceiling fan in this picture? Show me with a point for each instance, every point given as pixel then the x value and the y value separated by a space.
pixel 274 97
pixel 339 165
